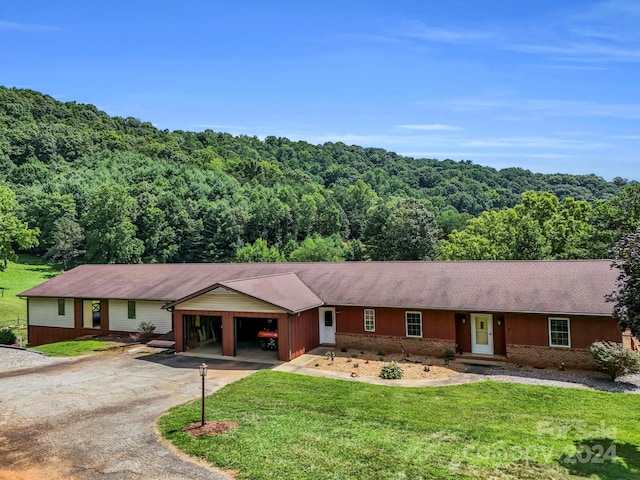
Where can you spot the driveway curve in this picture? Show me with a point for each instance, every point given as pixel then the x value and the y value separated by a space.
pixel 94 418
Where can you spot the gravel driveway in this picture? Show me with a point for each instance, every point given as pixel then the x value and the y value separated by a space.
pixel 94 417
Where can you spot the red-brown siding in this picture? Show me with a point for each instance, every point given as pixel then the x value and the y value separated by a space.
pixel 499 335
pixel 463 332
pixel 533 329
pixel 391 321
pixel 42 335
pixel 304 332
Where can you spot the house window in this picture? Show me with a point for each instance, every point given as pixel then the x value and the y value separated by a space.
pixel 131 309
pixel 559 332
pixel 61 304
pixel 413 322
pixel 369 320
pixel 328 318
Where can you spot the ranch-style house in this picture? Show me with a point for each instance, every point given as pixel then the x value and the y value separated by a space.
pixel 532 312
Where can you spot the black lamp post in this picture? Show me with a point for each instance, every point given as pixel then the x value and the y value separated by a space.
pixel 203 373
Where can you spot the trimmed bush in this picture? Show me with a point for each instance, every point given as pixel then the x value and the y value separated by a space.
pixel 614 359
pixel 391 371
pixel 7 336
pixel 145 330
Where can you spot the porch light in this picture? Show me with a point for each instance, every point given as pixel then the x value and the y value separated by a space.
pixel 203 373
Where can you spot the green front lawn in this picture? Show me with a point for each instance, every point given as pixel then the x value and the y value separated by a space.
pixel 71 348
pixel 298 427
pixel 27 272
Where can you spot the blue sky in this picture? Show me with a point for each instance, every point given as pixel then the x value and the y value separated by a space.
pixel 551 86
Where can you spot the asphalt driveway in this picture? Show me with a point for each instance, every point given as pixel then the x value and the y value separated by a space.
pixel 94 418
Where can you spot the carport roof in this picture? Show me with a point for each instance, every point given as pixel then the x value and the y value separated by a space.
pixel 563 287
pixel 284 290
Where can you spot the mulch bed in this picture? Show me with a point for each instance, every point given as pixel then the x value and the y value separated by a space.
pixel 196 429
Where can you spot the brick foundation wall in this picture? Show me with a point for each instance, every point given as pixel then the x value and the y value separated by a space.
pixel 550 356
pixel 391 344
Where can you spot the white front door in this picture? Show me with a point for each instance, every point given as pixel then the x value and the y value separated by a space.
pixel 482 333
pixel 327 325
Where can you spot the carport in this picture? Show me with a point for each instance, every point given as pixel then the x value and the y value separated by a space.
pixel 279 304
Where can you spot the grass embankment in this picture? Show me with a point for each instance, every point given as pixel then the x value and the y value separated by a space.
pixel 27 272
pixel 298 427
pixel 71 348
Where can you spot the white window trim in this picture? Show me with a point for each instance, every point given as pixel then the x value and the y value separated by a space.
pixel 135 310
pixel 373 318
pixel 64 307
pixel 406 324
pixel 568 331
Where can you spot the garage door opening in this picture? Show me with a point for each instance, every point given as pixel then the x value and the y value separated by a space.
pixel 202 330
pixel 254 334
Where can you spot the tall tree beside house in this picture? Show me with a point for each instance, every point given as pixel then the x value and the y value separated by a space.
pixel 626 298
pixel 403 229
pixel 541 227
pixel 258 252
pixel 319 249
pixel 109 227
pixel 67 239
pixel 13 232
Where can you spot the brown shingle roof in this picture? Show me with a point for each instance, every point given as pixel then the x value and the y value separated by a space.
pixel 577 286
pixel 284 290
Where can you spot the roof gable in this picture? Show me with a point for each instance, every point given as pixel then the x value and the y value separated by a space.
pixel 284 290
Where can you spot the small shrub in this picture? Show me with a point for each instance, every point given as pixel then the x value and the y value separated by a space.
pixel 448 356
pixel 344 349
pixel 391 371
pixel 349 360
pixel 381 353
pixel 145 330
pixel 354 355
pixel 614 359
pixel 7 336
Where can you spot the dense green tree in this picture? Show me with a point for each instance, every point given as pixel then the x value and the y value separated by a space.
pixel 14 234
pixel 67 240
pixel 319 249
pixel 357 201
pixel 157 235
pixel 45 211
pixel 403 229
pixel 109 227
pixel 259 251
pixel 626 297
pixel 541 227
pixel 223 229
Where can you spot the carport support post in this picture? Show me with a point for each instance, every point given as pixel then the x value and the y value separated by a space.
pixel 203 373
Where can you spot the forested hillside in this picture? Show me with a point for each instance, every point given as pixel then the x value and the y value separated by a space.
pixel 96 188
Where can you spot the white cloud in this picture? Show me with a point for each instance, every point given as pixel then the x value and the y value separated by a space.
pixel 6 26
pixel 555 108
pixel 432 127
